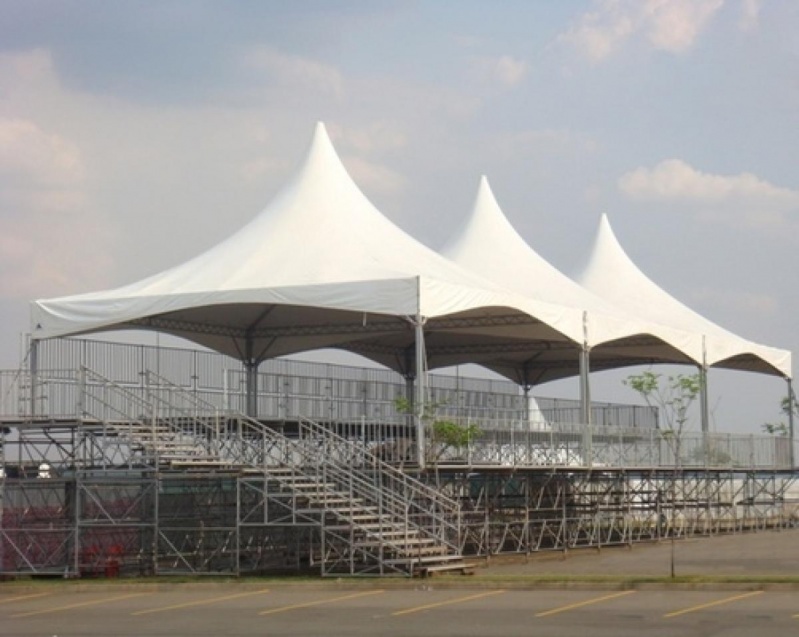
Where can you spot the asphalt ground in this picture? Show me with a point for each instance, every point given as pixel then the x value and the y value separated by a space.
pixel 764 555
pixel 726 586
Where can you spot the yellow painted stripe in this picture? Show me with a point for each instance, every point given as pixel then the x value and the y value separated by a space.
pixel 81 604
pixel 319 602
pixel 21 597
pixel 201 602
pixel 459 600
pixel 588 602
pixel 719 602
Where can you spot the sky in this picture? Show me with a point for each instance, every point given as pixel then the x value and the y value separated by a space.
pixel 135 135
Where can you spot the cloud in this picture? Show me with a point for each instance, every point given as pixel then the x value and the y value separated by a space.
pixel 545 140
pixel 505 70
pixel 743 197
pixel 666 25
pixel 750 15
pixel 375 178
pixel 32 156
pixel 296 71
pixel 377 137
pixel 674 179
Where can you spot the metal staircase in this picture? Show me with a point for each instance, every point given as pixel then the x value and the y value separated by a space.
pixel 372 518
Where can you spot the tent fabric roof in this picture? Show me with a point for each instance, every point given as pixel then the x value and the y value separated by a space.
pixel 320 267
pixel 611 274
pixel 490 245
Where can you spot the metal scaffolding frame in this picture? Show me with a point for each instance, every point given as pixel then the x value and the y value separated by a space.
pixel 150 478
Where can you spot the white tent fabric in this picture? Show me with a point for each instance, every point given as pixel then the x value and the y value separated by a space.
pixel 319 267
pixel 490 245
pixel 611 274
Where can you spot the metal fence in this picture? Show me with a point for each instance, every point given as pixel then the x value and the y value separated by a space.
pixel 287 389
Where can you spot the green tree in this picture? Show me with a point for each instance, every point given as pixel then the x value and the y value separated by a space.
pixel 788 406
pixel 673 396
pixel 443 434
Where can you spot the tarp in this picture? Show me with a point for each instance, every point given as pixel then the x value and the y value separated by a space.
pixel 612 275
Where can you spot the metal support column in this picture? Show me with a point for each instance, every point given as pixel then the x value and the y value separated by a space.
pixel 419 402
pixel 705 413
pixel 251 370
pixel 33 361
pixel 585 394
pixel 791 405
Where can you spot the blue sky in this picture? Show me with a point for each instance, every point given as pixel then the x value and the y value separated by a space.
pixel 134 135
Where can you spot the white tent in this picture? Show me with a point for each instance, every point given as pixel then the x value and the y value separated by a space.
pixel 322 267
pixel 488 244
pixel 612 275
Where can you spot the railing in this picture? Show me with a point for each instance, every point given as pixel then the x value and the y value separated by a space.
pixel 400 496
pixel 289 388
pixel 503 441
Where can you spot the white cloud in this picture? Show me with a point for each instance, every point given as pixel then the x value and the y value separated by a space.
pixel 667 25
pixel 505 70
pixel 750 14
pixel 375 178
pixel 29 154
pixel 675 179
pixel 377 137
pixel 744 198
pixel 297 71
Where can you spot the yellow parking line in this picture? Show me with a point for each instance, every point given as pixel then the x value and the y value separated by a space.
pixel 726 600
pixel 97 601
pixel 588 602
pixel 199 602
pixel 459 600
pixel 21 597
pixel 318 602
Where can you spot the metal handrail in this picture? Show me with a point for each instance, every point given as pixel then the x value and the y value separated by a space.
pixel 402 494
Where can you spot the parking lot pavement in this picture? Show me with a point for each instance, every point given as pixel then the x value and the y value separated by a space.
pixel 764 554
pixel 424 610
pixel 498 600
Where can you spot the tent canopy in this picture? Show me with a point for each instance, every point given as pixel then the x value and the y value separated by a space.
pixel 611 274
pixel 490 245
pixel 320 267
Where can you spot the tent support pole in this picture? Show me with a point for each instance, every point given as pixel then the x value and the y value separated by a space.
pixel 419 406
pixel 251 369
pixel 33 361
pixel 704 411
pixel 791 404
pixel 705 416
pixel 585 404
pixel 526 389
pixel 585 394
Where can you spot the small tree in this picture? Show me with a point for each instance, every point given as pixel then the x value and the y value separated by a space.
pixel 444 434
pixel 673 396
pixel 788 406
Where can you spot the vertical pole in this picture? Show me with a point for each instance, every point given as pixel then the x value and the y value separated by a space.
pixel 585 395
pixel 420 389
pixel 34 374
pixel 791 403
pixel 251 370
pixel 703 405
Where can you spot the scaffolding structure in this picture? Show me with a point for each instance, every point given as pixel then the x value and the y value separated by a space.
pixel 144 475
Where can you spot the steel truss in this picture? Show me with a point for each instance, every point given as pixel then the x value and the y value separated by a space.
pixel 524 511
pixel 123 522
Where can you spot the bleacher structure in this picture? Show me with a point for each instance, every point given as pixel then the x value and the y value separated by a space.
pixel 135 460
